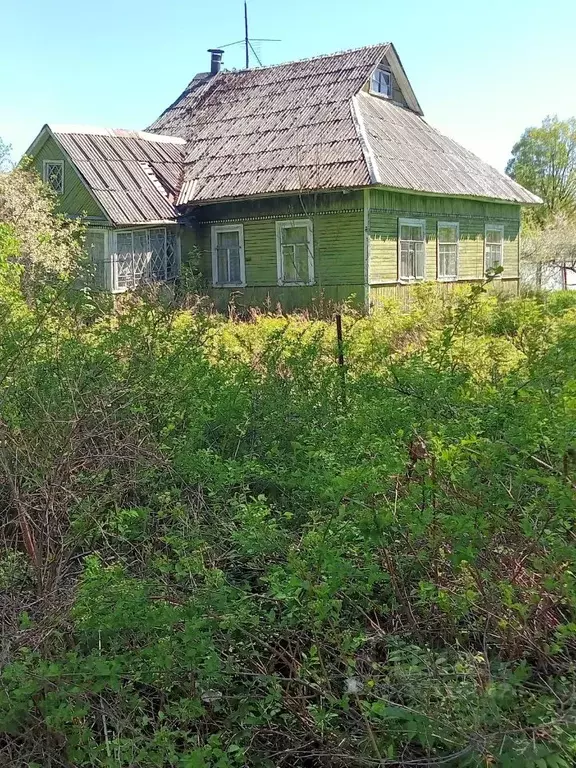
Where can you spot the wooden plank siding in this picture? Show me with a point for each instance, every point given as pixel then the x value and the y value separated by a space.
pixel 379 295
pixel 76 200
pixel 386 207
pixel 338 236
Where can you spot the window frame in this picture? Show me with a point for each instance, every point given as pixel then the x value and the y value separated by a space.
pixel 112 255
pixel 410 223
pixel 290 224
pixel 107 271
pixel 382 68
pixel 447 278
pixel 216 228
pixel 45 176
pixel 493 228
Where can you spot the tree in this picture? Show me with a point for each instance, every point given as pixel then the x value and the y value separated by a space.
pixel 549 252
pixel 32 233
pixel 5 162
pixel 544 161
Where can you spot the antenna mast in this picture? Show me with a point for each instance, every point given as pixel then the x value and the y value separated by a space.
pixel 246 37
pixel 247 41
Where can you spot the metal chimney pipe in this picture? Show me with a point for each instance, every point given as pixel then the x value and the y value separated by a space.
pixel 216 60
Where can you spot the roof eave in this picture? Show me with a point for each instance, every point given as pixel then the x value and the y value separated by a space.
pixel 460 196
pixel 184 207
pixel 42 136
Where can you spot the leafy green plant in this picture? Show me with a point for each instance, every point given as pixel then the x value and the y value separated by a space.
pixel 210 558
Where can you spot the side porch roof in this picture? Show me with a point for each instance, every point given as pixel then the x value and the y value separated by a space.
pixel 135 176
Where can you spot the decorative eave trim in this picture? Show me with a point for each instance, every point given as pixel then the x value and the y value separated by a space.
pixel 427 215
pixel 360 129
pixel 279 216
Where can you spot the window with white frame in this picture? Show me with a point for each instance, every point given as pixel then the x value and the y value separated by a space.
pixel 53 174
pixel 295 252
pixel 493 246
pixel 411 249
pixel 144 255
pixel 381 82
pixel 448 239
pixel 228 265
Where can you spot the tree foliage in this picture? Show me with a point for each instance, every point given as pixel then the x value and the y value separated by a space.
pixel 220 548
pixel 32 232
pixel 553 245
pixel 5 149
pixel 544 161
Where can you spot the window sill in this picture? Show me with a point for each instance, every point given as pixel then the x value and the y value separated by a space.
pixel 295 285
pixel 411 280
pixel 228 285
pixel 452 279
pixel 380 95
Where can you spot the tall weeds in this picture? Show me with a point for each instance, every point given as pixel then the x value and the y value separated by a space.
pixel 212 558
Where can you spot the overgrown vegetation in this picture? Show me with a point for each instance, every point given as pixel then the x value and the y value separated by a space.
pixel 544 161
pixel 221 548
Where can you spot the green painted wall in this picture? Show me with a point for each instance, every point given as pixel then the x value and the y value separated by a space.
pixel 386 207
pixel 76 200
pixel 338 231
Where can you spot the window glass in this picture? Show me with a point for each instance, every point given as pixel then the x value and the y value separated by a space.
pixel 296 253
pixel 412 250
pixel 228 248
pixel 382 82
pixel 228 257
pixel 447 250
pixel 54 175
pixel 494 246
pixel 124 260
pixel 145 255
pixel 95 246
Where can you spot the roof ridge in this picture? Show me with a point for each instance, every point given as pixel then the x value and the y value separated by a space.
pixel 114 133
pixel 334 54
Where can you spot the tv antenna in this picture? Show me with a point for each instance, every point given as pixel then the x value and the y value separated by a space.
pixel 247 40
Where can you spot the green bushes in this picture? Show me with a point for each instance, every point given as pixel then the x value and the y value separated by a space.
pixel 213 558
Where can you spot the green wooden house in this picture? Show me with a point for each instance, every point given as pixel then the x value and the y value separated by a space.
pixel 313 180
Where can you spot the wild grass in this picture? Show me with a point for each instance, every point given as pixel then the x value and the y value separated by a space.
pixel 222 548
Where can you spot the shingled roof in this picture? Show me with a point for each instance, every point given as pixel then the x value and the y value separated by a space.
pixel 134 176
pixel 308 125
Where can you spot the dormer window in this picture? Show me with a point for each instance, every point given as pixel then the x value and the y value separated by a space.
pixel 381 82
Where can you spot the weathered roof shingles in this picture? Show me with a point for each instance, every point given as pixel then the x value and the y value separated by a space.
pixel 307 125
pixel 410 154
pixel 274 129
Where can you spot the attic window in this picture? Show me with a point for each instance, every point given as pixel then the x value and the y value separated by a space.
pixel 54 175
pixel 381 82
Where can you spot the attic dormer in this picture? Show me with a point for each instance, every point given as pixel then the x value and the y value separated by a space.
pixel 389 81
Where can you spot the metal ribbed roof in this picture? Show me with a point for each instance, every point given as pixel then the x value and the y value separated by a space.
pixel 134 176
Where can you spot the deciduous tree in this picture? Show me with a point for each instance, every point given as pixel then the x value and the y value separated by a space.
pixel 32 232
pixel 544 161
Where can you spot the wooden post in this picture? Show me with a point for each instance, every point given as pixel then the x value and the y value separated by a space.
pixel 341 366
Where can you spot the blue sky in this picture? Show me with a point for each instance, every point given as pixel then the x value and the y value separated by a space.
pixel 481 71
